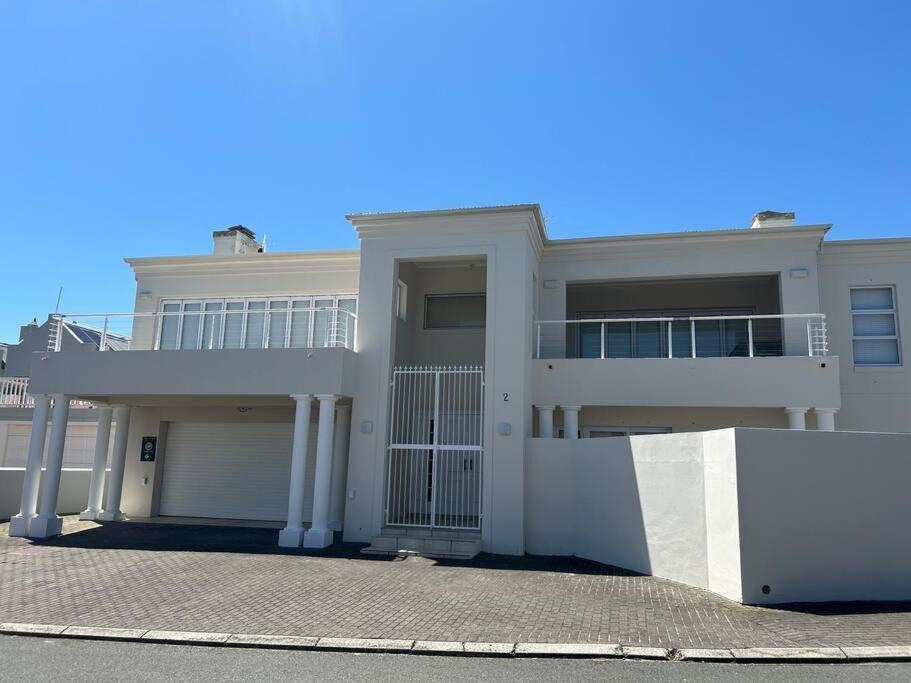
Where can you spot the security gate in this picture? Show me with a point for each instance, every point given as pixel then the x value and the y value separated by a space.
pixel 436 447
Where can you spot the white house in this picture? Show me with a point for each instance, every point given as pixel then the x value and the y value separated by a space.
pixel 428 392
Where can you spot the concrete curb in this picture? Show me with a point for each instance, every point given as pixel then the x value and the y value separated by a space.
pixel 890 653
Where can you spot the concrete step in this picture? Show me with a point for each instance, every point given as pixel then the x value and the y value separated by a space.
pixel 449 548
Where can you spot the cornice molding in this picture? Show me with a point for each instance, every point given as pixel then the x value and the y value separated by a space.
pixel 334 260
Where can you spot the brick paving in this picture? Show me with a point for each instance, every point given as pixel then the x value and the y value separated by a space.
pixel 194 578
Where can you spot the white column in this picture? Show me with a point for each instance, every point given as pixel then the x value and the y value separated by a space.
pixel 102 441
pixel 825 419
pixel 112 511
pixel 18 525
pixel 293 534
pixel 319 535
pixel 797 418
pixel 47 523
pixel 546 422
pixel 339 467
pixel 571 422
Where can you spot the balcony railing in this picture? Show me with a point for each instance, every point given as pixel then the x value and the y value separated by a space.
pixel 745 336
pixel 313 327
pixel 14 394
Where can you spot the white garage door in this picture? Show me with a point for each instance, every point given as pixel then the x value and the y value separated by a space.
pixel 231 471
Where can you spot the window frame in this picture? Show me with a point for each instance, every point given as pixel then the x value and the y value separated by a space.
pixel 876 311
pixel 585 432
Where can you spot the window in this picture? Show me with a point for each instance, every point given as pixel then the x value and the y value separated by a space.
pixel 255 323
pixel 401 300
pixel 604 432
pixel 455 311
pixel 874 326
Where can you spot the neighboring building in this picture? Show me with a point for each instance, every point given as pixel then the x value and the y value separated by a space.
pixel 4 348
pixel 401 386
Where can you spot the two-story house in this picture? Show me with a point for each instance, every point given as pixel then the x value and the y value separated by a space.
pixel 388 394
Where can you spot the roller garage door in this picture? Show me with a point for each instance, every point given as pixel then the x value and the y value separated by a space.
pixel 231 470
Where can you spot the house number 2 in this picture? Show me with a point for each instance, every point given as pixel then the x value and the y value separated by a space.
pixel 506 397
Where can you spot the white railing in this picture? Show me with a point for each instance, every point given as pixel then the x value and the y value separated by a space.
pixel 436 447
pixel 14 394
pixel 707 336
pixel 313 327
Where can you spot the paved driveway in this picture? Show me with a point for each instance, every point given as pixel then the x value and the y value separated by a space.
pixel 196 578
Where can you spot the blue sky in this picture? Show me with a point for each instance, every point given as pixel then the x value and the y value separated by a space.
pixel 136 128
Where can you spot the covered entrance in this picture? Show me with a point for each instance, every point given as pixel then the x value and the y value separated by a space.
pixel 436 447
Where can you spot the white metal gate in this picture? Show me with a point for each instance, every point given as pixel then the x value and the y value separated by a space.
pixel 436 447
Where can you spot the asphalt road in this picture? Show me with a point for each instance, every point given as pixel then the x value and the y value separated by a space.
pixel 25 658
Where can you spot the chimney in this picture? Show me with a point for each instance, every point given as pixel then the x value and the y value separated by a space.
pixel 773 219
pixel 235 241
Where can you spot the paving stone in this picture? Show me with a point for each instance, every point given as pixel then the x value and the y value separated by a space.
pixel 104 633
pixel 640 652
pixel 881 652
pixel 788 653
pixel 253 640
pixel 236 580
pixel 186 637
pixel 568 650
pixel 36 629
pixel 704 655
pixel 490 648
pixel 437 646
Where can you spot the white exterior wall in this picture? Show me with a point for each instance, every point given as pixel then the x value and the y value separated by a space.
pixel 873 399
pixel 815 516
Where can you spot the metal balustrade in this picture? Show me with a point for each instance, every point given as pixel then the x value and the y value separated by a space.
pixel 711 336
pixel 313 327
pixel 14 394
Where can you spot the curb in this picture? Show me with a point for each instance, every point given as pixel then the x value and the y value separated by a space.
pixel 769 655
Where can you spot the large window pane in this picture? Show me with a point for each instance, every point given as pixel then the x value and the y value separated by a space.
pixel 708 338
pixel 211 325
pixel 875 352
pixel 619 340
pixel 322 319
pixel 648 340
pixel 455 311
pixel 234 325
pixel 736 338
pixel 256 324
pixel 169 326
pixel 871 298
pixel 589 340
pixel 278 323
pixel 189 332
pixel 346 321
pixel 874 325
pixel 680 334
pixel 300 324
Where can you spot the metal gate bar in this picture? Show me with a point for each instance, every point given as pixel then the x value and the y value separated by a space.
pixel 435 452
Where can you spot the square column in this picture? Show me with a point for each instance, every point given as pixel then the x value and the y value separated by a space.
pixel 47 523
pixel 293 534
pixel 320 535
pixel 96 485
pixel 545 422
pixel 339 467
pixel 18 525
pixel 112 511
pixel 825 419
pixel 571 422
pixel 797 418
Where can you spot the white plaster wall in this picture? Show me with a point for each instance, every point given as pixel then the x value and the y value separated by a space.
pixel 72 497
pixel 873 399
pixel 824 515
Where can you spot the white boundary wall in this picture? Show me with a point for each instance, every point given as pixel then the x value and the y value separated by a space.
pixel 812 515
pixel 73 497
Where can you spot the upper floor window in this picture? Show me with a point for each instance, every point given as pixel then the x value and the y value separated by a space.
pixel 875 326
pixel 258 322
pixel 454 311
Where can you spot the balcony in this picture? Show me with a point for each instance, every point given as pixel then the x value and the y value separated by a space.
pixel 198 353
pixel 14 393
pixel 707 361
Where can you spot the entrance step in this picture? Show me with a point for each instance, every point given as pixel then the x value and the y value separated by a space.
pixel 452 548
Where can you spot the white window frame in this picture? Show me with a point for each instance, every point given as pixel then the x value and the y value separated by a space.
pixel 876 311
pixel 330 301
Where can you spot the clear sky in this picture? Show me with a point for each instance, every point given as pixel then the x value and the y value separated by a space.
pixel 135 128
